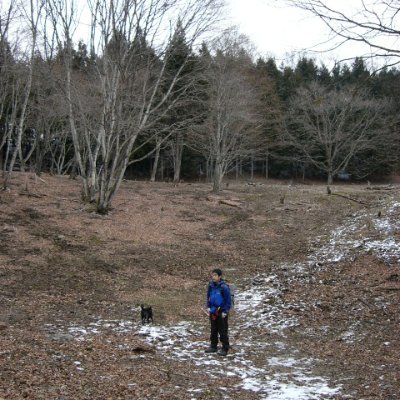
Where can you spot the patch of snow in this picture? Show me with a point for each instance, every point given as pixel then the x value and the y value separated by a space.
pixel 300 390
pixel 287 362
pixel 257 307
pixel 388 249
pixel 352 334
pixel 261 305
pixel 344 241
pixel 82 333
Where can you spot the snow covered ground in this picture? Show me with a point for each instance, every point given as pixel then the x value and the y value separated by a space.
pixel 286 376
pixel 273 369
pixel 362 232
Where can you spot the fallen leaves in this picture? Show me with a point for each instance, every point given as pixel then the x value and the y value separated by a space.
pixel 63 265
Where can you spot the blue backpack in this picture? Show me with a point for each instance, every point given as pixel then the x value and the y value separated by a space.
pixel 232 291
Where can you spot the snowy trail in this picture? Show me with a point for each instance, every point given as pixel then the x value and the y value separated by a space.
pixel 364 232
pixel 284 376
pixel 262 359
pixel 277 377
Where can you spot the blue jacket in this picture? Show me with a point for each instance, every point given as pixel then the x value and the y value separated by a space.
pixel 218 296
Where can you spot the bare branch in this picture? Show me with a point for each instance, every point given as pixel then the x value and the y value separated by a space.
pixel 330 127
pixel 375 23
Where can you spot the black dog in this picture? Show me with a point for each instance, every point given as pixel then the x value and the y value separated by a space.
pixel 146 312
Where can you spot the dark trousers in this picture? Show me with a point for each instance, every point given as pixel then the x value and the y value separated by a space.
pixel 219 327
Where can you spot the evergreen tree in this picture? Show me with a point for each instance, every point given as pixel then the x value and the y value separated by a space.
pixel 360 74
pixel 288 84
pixel 181 106
pixel 267 79
pixel 272 70
pixel 306 70
pixel 323 75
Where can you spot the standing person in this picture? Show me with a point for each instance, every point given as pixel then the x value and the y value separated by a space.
pixel 218 304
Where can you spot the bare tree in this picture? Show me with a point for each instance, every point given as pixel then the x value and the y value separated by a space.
pixel 6 62
pixel 122 101
pixel 53 138
pixel 327 128
pixel 156 158
pixel 31 13
pixel 375 23
pixel 232 121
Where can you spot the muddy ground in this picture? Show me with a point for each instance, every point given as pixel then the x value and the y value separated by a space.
pixel 64 268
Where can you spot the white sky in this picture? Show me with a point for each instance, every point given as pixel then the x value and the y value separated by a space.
pixel 278 30
pixel 281 31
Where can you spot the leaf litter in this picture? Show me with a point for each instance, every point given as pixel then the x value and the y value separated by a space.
pixel 270 312
pixel 278 377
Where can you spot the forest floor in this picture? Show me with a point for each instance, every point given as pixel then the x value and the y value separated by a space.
pixel 317 281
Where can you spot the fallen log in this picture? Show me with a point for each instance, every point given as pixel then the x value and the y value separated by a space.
pixel 231 203
pixel 387 187
pixel 349 198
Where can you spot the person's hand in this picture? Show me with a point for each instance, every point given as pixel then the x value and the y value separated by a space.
pixel 224 314
pixel 209 310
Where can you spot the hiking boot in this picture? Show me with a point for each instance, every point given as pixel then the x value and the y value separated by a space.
pixel 211 350
pixel 223 352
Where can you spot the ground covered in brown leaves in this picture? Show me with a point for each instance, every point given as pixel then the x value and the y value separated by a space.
pixel 64 266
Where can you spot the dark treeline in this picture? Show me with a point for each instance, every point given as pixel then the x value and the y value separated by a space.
pixel 136 110
pixel 274 154
pixel 363 129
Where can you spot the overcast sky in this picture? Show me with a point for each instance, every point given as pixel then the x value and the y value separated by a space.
pixel 279 30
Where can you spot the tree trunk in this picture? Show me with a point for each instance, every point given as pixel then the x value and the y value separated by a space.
pixel 21 124
pixel 21 159
pixel 39 157
pixel 209 170
pixel 156 158
pixel 330 178
pixel 29 155
pixel 201 172
pixel 6 161
pixel 304 171
pixel 218 175
pixel 162 168
pixel 74 170
pixel 178 151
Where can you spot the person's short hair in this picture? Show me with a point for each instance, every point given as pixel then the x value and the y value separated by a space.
pixel 217 271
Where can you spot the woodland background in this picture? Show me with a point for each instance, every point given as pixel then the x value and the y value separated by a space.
pixel 158 93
